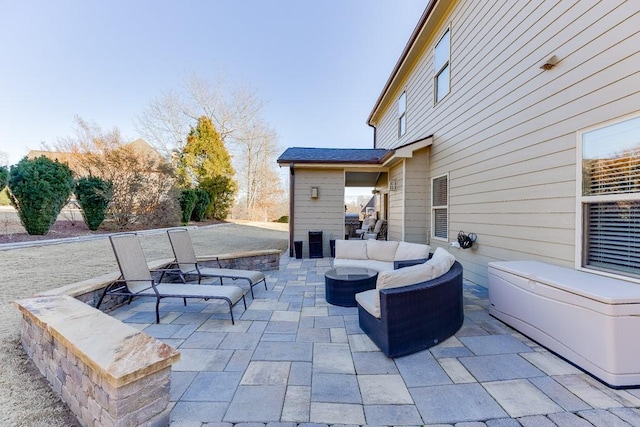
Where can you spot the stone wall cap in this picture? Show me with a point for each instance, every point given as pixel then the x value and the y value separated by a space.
pixel 120 353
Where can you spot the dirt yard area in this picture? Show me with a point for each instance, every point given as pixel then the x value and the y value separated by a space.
pixel 25 397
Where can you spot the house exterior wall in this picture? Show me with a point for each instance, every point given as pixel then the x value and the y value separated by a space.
pixel 506 132
pixel 395 223
pixel 417 200
pixel 326 213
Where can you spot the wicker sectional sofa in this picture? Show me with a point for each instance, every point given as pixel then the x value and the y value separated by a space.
pixel 415 307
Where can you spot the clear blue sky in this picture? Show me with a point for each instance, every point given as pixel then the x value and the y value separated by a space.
pixel 318 66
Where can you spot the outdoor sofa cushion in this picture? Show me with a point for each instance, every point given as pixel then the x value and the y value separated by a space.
pixel 379 255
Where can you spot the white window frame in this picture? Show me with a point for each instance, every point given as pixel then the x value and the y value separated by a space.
pixel 581 201
pixel 402 114
pixel 438 71
pixel 439 207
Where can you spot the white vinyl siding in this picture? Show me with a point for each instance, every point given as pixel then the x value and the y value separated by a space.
pixel 610 197
pixel 506 134
pixel 326 213
pixel 395 227
pixel 417 197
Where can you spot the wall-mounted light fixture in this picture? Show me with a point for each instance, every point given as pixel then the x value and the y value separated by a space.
pixel 392 185
pixel 315 192
pixel 374 191
pixel 549 63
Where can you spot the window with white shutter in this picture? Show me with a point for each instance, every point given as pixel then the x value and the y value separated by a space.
pixel 610 198
pixel 440 207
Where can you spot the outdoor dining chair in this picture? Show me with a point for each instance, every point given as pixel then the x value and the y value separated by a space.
pixel 136 279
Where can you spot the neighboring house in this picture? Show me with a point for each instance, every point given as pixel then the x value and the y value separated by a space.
pixel 139 147
pixel 518 121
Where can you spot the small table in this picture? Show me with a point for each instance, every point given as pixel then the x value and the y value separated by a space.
pixel 343 283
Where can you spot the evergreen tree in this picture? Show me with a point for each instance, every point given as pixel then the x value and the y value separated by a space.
pixel 204 155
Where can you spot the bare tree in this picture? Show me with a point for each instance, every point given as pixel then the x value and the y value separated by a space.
pixel 4 159
pixel 142 179
pixel 236 114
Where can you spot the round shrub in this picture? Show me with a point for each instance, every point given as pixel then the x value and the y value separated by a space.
pixel 94 195
pixel 202 203
pixel 39 188
pixel 188 199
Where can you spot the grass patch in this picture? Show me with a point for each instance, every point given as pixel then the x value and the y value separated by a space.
pixel 4 198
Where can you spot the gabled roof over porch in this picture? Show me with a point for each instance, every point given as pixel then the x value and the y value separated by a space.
pixel 368 156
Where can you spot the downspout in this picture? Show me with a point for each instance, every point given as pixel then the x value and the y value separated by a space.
pixel 292 199
pixel 375 134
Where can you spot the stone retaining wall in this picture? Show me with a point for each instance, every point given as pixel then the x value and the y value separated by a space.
pixel 108 373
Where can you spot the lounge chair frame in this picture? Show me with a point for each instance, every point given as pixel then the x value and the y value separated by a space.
pixel 136 279
pixel 186 263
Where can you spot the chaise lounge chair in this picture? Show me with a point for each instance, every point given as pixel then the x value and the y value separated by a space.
pixel 137 281
pixel 187 264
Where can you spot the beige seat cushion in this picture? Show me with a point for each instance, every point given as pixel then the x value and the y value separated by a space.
pixel 365 299
pixel 408 251
pixel 381 250
pixel 351 249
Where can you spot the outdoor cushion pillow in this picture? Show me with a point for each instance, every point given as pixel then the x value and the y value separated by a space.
pixel 381 250
pixel 441 261
pixel 408 251
pixel 351 249
pixel 402 277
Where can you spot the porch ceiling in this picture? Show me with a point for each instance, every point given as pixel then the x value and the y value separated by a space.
pixel 361 179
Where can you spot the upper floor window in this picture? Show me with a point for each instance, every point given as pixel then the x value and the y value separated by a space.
pixel 610 197
pixel 441 67
pixel 440 207
pixel 402 114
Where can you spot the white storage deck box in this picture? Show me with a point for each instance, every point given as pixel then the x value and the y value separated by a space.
pixel 591 320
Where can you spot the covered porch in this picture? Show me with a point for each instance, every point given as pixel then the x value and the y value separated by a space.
pixel 318 178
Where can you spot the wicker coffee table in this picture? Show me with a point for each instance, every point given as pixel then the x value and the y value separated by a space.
pixel 343 283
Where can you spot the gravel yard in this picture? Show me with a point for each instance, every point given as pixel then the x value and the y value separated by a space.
pixel 25 398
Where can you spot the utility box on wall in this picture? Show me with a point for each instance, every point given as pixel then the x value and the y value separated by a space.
pixel 315 244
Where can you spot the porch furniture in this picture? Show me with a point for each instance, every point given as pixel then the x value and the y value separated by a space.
pixel 343 283
pixel 379 231
pixel 590 320
pixel 187 264
pixel 367 224
pixel 413 308
pixel 378 254
pixel 137 280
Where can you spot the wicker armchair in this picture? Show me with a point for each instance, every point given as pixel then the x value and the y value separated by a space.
pixel 416 317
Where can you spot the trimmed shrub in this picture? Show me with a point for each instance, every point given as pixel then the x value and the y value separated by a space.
pixel 202 203
pixel 94 195
pixel 4 176
pixel 188 199
pixel 39 189
pixel 283 219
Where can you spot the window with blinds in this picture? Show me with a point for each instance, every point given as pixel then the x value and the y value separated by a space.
pixel 440 207
pixel 611 198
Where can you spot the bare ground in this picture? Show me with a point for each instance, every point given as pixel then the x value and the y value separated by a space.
pixel 25 397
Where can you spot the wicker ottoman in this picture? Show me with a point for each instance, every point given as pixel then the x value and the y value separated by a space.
pixel 343 283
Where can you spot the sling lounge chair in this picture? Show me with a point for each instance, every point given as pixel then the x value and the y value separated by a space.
pixel 136 279
pixel 187 264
